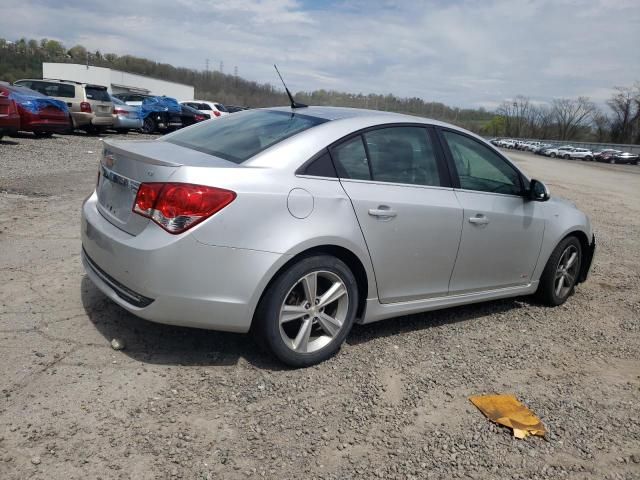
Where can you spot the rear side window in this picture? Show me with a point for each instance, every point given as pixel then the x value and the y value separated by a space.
pixel 99 94
pixel 351 159
pixel 402 155
pixel 220 107
pixel 53 89
pixel 200 106
pixel 239 137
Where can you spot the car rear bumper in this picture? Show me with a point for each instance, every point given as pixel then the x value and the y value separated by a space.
pixel 174 279
pixel 81 119
pixel 124 122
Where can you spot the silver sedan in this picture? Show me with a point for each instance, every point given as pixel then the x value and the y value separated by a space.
pixel 296 223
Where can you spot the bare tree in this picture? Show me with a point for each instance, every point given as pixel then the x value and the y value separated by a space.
pixel 571 114
pixel 625 104
pixel 515 113
pixel 601 125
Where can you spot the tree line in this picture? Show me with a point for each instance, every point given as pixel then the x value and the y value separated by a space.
pixel 562 119
pixel 571 119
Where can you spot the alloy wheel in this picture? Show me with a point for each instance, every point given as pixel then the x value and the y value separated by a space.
pixel 313 312
pixel 566 271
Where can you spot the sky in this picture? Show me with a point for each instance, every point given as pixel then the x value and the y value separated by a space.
pixel 460 52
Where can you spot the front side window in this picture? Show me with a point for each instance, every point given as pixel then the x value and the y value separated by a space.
pixel 239 137
pixel 479 168
pixel 402 155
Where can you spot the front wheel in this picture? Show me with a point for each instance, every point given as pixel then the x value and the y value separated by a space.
pixel 148 126
pixel 566 157
pixel 553 155
pixel 612 161
pixel 307 312
pixel 561 273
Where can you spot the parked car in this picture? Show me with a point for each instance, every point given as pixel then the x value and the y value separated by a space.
pixel 38 113
pixel 235 108
pixel 580 153
pixel 160 113
pixel 9 116
pixel 541 149
pixel 558 151
pixel 624 157
pixel 90 105
pixel 125 117
pixel 213 109
pixel 190 116
pixel 604 155
pixel 279 221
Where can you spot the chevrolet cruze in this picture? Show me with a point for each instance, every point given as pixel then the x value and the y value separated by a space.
pixel 296 223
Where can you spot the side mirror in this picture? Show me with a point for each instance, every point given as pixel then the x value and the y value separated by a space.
pixel 538 191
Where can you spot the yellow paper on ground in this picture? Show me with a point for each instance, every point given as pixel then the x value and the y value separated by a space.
pixel 508 411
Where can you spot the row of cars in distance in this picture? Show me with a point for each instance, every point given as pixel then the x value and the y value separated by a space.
pixel 568 152
pixel 83 106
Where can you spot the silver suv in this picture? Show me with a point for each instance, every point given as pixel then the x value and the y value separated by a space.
pixel 90 105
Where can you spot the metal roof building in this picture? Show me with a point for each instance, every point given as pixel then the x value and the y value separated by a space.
pixel 117 81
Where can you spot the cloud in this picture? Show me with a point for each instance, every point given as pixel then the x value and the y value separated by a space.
pixel 458 52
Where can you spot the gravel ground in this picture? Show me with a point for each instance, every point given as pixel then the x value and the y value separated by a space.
pixel 191 404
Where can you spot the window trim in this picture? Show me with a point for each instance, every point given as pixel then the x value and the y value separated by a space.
pixel 454 171
pixel 446 179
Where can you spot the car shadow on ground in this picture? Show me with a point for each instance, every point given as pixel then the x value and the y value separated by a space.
pixel 159 344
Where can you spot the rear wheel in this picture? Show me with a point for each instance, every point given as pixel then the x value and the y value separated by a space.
pixel 308 310
pixel 149 125
pixel 560 275
pixel 566 157
pixel 553 155
pixel 612 160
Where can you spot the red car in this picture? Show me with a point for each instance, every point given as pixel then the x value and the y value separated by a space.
pixel 9 117
pixel 38 113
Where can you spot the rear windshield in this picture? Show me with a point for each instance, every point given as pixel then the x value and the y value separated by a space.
pixel 95 93
pixel 239 137
pixel 220 107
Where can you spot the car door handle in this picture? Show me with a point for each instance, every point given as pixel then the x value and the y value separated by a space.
pixel 382 212
pixel 479 219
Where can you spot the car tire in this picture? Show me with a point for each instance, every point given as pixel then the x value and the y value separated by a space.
pixel 560 274
pixel 310 332
pixel 588 158
pixel 149 125
pixel 566 157
pixel 612 161
pixel 553 155
pixel 40 134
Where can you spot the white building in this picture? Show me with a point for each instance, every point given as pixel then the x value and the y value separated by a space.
pixel 117 81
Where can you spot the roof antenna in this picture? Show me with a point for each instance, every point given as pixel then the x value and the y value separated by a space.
pixel 294 104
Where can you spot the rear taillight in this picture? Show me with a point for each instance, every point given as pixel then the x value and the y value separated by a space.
pixel 119 111
pixel 216 113
pixel 85 107
pixel 176 207
pixel 199 118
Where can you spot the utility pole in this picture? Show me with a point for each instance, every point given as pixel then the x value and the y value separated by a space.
pixel 221 66
pixel 235 74
pixel 207 66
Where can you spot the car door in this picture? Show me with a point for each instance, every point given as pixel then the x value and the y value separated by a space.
pixel 409 215
pixel 502 230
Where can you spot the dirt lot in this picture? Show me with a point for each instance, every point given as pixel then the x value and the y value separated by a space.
pixel 180 403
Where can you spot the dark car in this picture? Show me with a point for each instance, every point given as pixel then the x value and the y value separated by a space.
pixel 158 113
pixel 624 157
pixel 605 154
pixel 190 115
pixel 235 108
pixel 38 113
pixel 9 116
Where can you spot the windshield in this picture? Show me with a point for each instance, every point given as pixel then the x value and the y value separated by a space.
pixel 240 136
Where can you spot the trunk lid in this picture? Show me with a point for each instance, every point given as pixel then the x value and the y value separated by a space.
pixel 127 164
